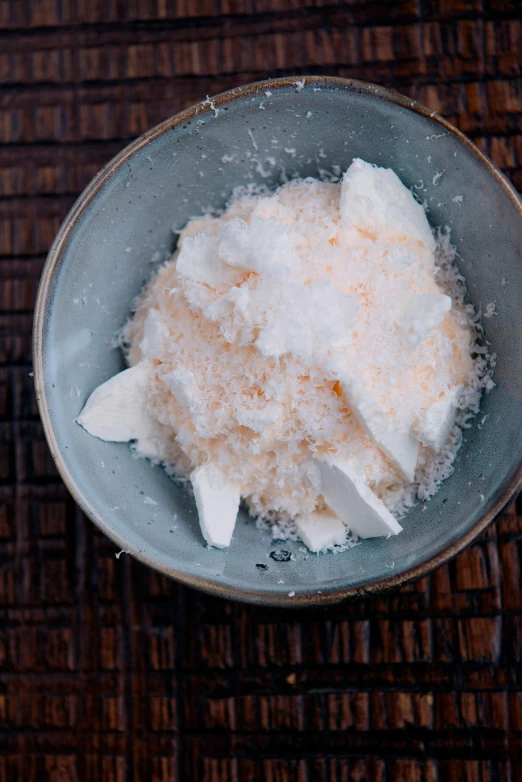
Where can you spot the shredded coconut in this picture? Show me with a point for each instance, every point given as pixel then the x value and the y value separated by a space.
pixel 491 310
pixel 260 313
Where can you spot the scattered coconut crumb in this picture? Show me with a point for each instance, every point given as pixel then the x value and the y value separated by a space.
pixel 490 310
pixel 210 103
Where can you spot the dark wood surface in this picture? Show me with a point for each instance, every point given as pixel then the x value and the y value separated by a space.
pixel 111 672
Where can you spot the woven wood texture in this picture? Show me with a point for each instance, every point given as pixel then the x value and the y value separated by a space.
pixel 111 672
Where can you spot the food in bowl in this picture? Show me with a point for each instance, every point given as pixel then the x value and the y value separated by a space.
pixel 310 352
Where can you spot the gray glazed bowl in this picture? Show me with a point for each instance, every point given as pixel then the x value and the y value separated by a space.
pixel 102 257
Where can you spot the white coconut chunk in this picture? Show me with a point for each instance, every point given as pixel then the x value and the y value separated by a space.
pixel 262 246
pixel 436 424
pixel 116 410
pixel 217 501
pixel 304 321
pixel 354 502
pixel 321 530
pixel 198 261
pixel 375 201
pixel 401 448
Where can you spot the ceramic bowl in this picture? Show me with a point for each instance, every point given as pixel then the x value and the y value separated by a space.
pixel 101 258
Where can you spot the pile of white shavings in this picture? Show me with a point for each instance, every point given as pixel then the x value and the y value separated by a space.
pixel 255 321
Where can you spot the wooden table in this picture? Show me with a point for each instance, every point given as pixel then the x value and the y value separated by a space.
pixel 111 672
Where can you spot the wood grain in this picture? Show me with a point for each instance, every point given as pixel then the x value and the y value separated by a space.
pixel 111 672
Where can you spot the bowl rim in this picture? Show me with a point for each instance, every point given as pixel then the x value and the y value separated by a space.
pixel 304 597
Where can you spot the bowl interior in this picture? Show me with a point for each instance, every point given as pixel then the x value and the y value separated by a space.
pixel 263 135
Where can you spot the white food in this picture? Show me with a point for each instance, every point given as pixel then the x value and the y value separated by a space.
pixel 281 318
pixel 217 501
pixel 117 411
pixel 320 530
pixel 347 494
pixel 396 442
pixel 320 324
pixel 375 201
pixel 438 420
pixel 198 262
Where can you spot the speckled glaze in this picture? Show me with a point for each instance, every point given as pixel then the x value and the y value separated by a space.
pixel 101 258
